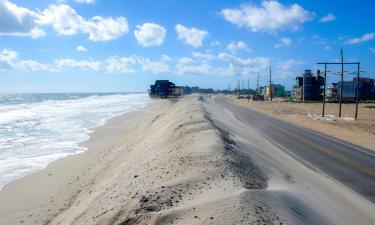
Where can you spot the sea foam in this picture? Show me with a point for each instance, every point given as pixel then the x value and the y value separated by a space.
pixel 36 129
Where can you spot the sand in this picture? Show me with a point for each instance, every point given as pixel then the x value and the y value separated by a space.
pixel 165 163
pixel 297 193
pixel 179 162
pixel 360 132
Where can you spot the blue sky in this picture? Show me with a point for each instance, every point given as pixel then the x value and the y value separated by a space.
pixel 90 46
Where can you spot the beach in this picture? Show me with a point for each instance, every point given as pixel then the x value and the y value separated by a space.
pixel 179 161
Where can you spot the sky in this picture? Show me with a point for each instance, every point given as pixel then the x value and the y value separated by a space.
pixel 124 46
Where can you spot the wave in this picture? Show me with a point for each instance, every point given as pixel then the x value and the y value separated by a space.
pixel 35 133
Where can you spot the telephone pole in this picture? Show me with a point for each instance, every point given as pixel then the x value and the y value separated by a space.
pixel 324 90
pixel 357 92
pixel 342 63
pixel 238 87
pixel 342 81
pixel 271 84
pixel 258 85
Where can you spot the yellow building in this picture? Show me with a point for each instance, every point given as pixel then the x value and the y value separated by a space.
pixel 268 90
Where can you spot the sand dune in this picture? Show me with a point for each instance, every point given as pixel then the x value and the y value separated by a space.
pixel 180 162
pixel 169 164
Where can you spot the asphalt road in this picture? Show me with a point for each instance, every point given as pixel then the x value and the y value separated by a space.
pixel 351 165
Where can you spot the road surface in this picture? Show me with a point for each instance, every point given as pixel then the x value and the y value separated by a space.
pixel 350 165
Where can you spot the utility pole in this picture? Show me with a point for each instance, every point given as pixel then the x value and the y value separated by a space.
pixel 324 90
pixel 248 84
pixel 342 63
pixel 238 87
pixel 229 86
pixel 271 84
pixel 258 85
pixel 357 93
pixel 342 81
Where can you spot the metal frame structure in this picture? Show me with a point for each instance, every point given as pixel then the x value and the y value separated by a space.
pixel 342 63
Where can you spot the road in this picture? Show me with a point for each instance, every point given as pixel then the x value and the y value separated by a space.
pixel 350 165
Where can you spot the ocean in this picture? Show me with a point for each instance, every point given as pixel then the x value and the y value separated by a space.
pixel 36 129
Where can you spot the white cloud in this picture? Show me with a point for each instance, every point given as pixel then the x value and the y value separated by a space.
pixel 150 34
pixel 7 58
pixel 328 18
pixel 18 21
pixel 86 1
pixel 372 50
pixel 288 68
pixel 185 60
pixel 91 65
pixel 115 64
pixel 233 47
pixel 81 48
pixel 364 38
pixel 200 63
pixel 166 58
pixel 258 62
pixel 66 21
pixel 156 67
pixel 270 16
pixel 9 61
pixel 289 64
pixel 215 43
pixel 203 56
pixel 31 65
pixel 204 69
pixel 192 36
pixel 284 42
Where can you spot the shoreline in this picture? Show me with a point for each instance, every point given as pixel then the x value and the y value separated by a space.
pixel 182 162
pixel 40 129
pixel 43 194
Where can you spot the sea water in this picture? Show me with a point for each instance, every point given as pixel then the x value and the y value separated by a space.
pixel 36 129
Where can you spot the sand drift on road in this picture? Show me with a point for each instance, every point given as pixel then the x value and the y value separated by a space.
pixel 189 161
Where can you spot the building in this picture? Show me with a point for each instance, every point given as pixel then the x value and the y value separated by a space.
pixel 289 94
pixel 309 87
pixel 331 93
pixel 366 90
pixel 179 90
pixel 162 89
pixel 277 91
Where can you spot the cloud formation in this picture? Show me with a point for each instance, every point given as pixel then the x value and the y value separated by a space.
pixel 365 37
pixel 81 48
pixel 200 63
pixel 86 1
pixel 233 47
pixel 270 16
pixel 191 36
pixel 18 21
pixel 328 18
pixel 66 21
pixel 9 61
pixel 284 42
pixel 150 34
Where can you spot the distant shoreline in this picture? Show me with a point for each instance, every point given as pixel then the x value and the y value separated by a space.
pixel 46 192
pixel 47 127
